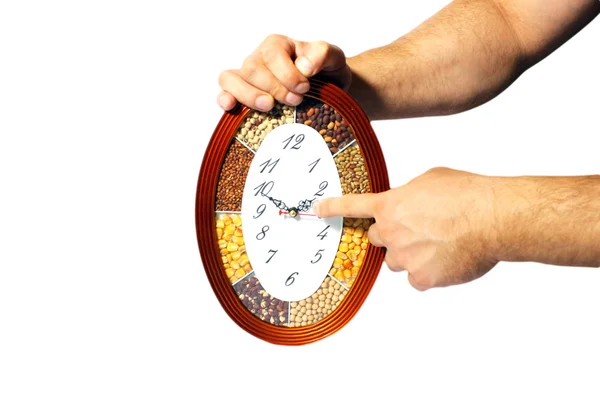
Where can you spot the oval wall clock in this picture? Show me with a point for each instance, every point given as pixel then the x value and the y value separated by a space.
pixel 281 273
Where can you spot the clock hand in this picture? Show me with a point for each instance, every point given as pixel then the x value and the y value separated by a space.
pixel 278 203
pixel 291 213
pixel 305 205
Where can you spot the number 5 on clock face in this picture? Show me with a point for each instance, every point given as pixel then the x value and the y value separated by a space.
pixel 290 249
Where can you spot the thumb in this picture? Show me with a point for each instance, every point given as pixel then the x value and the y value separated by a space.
pixel 314 57
pixel 351 205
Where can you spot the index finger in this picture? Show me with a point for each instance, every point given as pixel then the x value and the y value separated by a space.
pixel 350 205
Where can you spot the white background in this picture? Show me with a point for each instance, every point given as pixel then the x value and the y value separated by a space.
pixel 105 111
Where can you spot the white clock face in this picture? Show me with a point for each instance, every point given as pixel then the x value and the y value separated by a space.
pixel 291 255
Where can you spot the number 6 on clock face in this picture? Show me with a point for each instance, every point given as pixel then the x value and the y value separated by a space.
pixel 290 249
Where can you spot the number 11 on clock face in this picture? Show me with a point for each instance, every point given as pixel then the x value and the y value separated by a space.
pixel 290 249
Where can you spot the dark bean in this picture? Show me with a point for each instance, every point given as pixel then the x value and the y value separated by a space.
pixel 260 303
pixel 323 116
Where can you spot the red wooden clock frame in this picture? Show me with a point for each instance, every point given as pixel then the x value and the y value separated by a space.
pixel 207 237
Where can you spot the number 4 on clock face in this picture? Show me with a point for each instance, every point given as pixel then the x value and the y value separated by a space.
pixel 290 250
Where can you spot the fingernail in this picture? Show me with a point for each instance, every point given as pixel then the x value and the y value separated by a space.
pixel 293 99
pixel 222 100
pixel 305 66
pixel 263 103
pixel 317 208
pixel 302 87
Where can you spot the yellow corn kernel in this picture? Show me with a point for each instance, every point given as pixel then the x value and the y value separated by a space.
pixel 351 254
pixel 239 240
pixel 235 265
pixel 232 247
pixel 346 238
pixel 222 244
pixel 220 224
pixel 236 219
pixel 359 231
pixel 343 247
pixel 229 272
pixel 348 230
pixel 243 260
pixel 347 274
pixel 230 229
pixel 228 256
pixel 339 276
pixel 338 262
pixel 347 264
pixel 355 271
pixel 333 271
pixel 224 252
pixel 242 248
pixel 362 254
pixel 224 259
pixel 247 268
pixel 219 233
pixel 235 255
pixel 240 272
pixel 351 246
pixel 238 232
pixel 226 219
pixel 341 255
pixel 364 245
pixel 356 240
pixel 357 263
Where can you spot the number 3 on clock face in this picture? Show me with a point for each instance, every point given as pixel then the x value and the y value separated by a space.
pixel 290 249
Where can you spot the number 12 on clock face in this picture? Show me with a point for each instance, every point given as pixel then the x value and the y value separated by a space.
pixel 290 249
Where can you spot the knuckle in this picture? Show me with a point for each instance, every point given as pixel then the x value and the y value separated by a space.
pixel 394 261
pixel 269 54
pixel 289 77
pixel 321 47
pixel 437 170
pixel 421 281
pixel 273 38
pixel 249 64
pixel 225 77
pixel 277 90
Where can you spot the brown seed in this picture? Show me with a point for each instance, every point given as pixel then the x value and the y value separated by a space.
pixel 232 178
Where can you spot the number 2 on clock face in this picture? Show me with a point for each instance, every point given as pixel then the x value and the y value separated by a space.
pixel 291 255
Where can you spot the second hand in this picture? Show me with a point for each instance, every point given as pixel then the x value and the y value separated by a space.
pixel 302 214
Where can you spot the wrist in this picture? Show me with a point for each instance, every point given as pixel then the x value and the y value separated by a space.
pixel 512 222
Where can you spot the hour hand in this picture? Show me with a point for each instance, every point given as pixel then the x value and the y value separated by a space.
pixel 278 203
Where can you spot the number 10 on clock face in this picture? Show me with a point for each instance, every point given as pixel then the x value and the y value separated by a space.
pixel 290 249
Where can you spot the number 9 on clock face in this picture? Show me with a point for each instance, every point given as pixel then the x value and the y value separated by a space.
pixel 290 249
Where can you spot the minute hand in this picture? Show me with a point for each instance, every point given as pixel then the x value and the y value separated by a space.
pixel 305 205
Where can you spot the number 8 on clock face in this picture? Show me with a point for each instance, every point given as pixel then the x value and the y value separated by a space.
pixel 290 249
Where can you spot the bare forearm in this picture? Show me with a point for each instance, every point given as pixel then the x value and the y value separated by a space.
pixel 552 220
pixel 463 56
